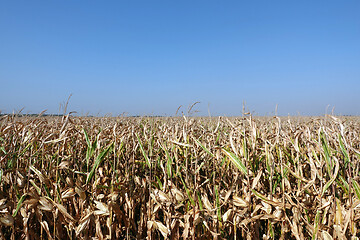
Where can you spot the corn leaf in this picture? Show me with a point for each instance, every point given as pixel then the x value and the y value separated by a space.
pixel 236 161
pixel 18 206
pixel 97 162
pixel 144 153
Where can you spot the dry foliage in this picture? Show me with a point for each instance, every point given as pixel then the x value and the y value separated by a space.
pixel 179 178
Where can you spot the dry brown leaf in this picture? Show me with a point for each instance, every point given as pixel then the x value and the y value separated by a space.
pixel 278 213
pixel 64 212
pixel 64 165
pixel 326 236
pixel 99 233
pixel 162 228
pixel 160 196
pixel 256 180
pixel 102 209
pixel 266 207
pixel 83 223
pixel 6 219
pixel 70 192
pixel 45 226
pixel 239 202
pixel 45 204
pixel 178 195
pixel 3 204
pixel 338 231
pixel 81 193
pixel 207 203
pixel 227 195
pixel 227 215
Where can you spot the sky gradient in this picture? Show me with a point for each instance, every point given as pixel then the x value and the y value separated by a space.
pixel 150 57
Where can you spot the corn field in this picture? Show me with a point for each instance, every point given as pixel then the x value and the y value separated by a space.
pixel 179 177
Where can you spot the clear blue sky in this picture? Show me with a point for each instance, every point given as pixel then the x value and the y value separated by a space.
pixel 150 57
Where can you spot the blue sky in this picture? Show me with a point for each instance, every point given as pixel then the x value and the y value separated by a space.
pixel 150 57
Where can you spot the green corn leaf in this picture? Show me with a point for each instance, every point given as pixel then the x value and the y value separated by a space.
pixel 159 182
pixel 245 149
pixel 271 230
pixel 316 225
pixel 203 147
pixel 199 201
pixel 25 149
pixel 259 195
pixel 47 190
pixel 144 153
pixel 356 188
pixel 90 148
pixel 325 146
pixel 98 161
pixel 218 207
pixel 236 161
pixel 267 161
pixel 330 182
pixel 187 192
pixel 18 206
pixel 168 163
pixel 38 189
pixel 344 152
pixel 3 150
pixel 201 165
pixel 87 138
pixel 343 184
